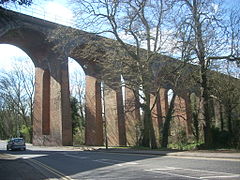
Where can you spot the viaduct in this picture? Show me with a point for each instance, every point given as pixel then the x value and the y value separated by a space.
pixel 52 113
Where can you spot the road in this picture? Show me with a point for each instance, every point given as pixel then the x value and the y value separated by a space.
pixel 67 163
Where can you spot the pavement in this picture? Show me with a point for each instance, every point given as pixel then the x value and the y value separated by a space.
pixel 223 154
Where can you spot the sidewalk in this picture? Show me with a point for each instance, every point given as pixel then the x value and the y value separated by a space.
pixel 200 153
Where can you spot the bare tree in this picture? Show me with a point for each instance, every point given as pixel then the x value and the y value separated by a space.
pixel 17 90
pixel 77 92
pixel 77 89
pixel 142 24
pixel 144 28
pixel 203 29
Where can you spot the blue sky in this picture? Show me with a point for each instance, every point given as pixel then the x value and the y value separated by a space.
pixel 56 11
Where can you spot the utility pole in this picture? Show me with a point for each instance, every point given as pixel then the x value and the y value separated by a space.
pixel 104 115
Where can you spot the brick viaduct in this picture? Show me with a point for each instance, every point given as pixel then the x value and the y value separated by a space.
pixel 52 117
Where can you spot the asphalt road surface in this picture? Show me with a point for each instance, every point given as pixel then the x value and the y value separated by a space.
pixel 67 163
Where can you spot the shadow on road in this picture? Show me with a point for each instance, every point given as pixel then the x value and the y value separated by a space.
pixel 55 164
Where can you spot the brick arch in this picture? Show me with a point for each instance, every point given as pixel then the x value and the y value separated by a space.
pixel 93 98
pixel 32 42
pixel 51 112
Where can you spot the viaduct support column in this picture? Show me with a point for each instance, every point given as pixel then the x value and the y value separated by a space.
pixel 132 118
pixel 94 123
pixel 121 118
pixel 156 116
pixel 114 117
pixel 180 117
pixel 67 138
pixel 38 108
pixel 163 98
pixel 188 113
pixel 52 124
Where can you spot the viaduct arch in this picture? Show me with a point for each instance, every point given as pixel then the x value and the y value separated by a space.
pixel 52 114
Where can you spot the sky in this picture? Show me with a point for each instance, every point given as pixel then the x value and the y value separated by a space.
pixel 51 10
pixel 55 11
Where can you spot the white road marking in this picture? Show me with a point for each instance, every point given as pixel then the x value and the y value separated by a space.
pixel 204 158
pixel 217 177
pixel 166 168
pixel 127 163
pixel 74 156
pixel 205 171
pixel 104 162
pixel 115 162
pixel 173 174
pixel 30 156
pixel 212 174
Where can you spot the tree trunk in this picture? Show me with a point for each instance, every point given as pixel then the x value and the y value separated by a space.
pixel 221 118
pixel 196 126
pixel 229 120
pixel 166 125
pixel 201 54
pixel 207 118
pixel 149 139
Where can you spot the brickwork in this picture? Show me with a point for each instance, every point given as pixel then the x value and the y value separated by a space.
pixel 132 118
pixel 163 102
pixel 156 113
pixel 111 116
pixel 94 125
pixel 52 123
pixel 66 109
pixel 37 113
pixel 121 118
pixel 46 103
pixel 180 116
pixel 188 113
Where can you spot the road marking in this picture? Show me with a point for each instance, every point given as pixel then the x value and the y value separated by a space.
pixel 52 170
pixel 172 174
pixel 115 162
pixel 211 173
pixel 25 156
pixel 78 157
pixel 204 158
pixel 129 154
pixel 216 177
pixel 166 169
pixel 104 162
pixel 205 171
pixel 127 163
pixel 109 161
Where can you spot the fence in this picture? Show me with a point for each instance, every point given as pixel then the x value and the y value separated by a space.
pixel 40 12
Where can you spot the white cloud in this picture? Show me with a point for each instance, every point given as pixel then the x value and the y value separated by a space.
pixel 165 45
pixel 58 13
pixel 76 78
pixel 54 11
pixel 10 55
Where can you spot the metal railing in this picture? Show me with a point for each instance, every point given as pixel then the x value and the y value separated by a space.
pixel 41 13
